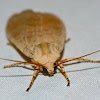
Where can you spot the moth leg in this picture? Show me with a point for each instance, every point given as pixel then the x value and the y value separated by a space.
pixel 33 78
pixel 26 63
pixel 8 66
pixel 64 73
pixel 79 59
pixel 88 60
pixel 67 40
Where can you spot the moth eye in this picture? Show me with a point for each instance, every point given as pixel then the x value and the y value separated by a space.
pixel 55 67
pixel 54 63
pixel 44 69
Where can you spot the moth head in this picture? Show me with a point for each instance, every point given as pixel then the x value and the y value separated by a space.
pixel 49 68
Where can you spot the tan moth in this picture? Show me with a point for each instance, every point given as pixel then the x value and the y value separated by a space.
pixel 41 37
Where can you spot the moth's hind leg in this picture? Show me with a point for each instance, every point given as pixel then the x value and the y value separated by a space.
pixel 8 66
pixel 80 59
pixel 88 60
pixel 26 63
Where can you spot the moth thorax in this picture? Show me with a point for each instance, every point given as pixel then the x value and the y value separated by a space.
pixel 44 53
pixel 45 48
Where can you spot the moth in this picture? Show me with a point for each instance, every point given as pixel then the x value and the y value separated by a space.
pixel 40 37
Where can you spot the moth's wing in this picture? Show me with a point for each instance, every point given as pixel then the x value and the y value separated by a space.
pixel 52 31
pixel 21 30
pixel 28 29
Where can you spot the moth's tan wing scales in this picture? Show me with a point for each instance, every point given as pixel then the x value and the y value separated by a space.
pixel 28 29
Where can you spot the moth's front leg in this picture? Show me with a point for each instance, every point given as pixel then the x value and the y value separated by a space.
pixel 34 76
pixel 64 73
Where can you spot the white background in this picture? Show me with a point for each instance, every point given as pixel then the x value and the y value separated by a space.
pixel 82 19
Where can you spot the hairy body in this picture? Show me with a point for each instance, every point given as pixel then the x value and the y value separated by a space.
pixel 39 36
